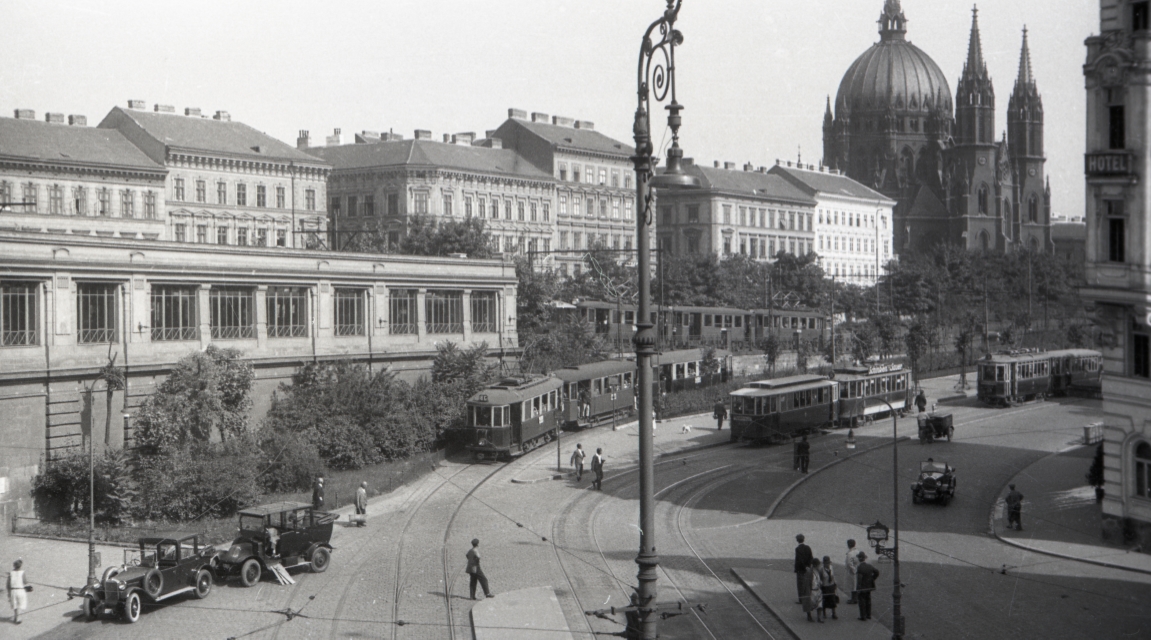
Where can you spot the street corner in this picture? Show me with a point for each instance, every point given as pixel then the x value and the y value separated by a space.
pixel 776 590
pixel 525 614
pixel 533 475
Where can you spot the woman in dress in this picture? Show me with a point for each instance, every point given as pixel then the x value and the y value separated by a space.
pixel 814 599
pixel 827 581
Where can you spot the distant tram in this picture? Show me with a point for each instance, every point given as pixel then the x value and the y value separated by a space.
pixel 777 409
pixel 862 391
pixel 1015 377
pixel 513 416
pixel 595 393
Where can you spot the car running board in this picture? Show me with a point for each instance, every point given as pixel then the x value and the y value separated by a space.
pixel 174 593
pixel 281 573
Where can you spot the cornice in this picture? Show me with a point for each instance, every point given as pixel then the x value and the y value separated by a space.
pixel 81 168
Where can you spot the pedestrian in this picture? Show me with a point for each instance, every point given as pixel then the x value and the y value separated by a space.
pixel 803 558
pixel 577 461
pixel 867 577
pixel 597 469
pixel 804 454
pixel 1014 508
pixel 362 504
pixel 476 571
pixel 921 401
pixel 318 494
pixel 852 564
pixel 827 583
pixel 584 403
pixel 18 590
pixel 719 413
pixel 813 601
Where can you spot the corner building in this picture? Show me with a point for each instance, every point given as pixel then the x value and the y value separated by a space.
pixel 1118 248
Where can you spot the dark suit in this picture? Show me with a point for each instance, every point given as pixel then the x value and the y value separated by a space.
pixel 803 558
pixel 804 453
pixel 318 497
pixel 867 576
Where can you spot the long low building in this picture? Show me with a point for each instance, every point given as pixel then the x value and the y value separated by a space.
pixel 68 304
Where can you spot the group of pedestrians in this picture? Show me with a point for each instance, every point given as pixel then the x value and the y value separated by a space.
pixel 597 461
pixel 817 588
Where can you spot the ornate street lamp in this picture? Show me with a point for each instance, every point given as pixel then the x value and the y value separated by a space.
pixel 655 82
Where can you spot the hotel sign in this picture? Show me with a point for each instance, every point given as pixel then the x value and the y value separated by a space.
pixel 1108 164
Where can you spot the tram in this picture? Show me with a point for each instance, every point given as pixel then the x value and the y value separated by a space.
pixel 777 409
pixel 513 416
pixel 596 393
pixel 1018 376
pixel 862 391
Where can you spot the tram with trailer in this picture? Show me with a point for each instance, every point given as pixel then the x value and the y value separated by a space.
pixel 778 409
pixel 684 369
pixel 1013 377
pixel 513 416
pixel 862 391
pixel 596 393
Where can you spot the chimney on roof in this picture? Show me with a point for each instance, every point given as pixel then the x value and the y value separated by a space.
pixel 494 143
pixel 137 104
pixel 77 120
pixel 584 124
pixel 540 117
pixel 465 138
pixel 334 140
pixel 302 140
pixel 748 166
pixel 687 162
pixel 729 165
pixel 222 116
pixel 447 138
pixel 561 121
pixel 762 169
pixel 54 118
pixel 164 108
pixel 423 134
pixel 192 112
pixel 391 136
pixel 517 114
pixel 25 114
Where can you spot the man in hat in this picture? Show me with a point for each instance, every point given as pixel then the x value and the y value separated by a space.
pixel 867 575
pixel 1014 501
pixel 362 504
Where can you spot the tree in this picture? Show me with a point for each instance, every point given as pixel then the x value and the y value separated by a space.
pixel 113 378
pixel 465 367
pixel 917 344
pixel 802 352
pixel 566 343
pixel 771 347
pixel 535 294
pixel 962 345
pixel 428 236
pixel 863 343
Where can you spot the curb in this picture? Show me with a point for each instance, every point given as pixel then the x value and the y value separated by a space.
pixel 763 602
pixel 780 498
pixel 554 476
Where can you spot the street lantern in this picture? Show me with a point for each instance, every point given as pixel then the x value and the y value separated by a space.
pixel 877 534
pixel 850 439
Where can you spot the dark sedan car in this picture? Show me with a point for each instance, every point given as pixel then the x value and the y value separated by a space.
pixel 936 483
pixel 276 537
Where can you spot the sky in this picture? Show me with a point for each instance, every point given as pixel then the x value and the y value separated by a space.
pixel 753 74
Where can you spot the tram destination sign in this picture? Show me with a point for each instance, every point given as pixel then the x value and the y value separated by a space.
pixel 1108 164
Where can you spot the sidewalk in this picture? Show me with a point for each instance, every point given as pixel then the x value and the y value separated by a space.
pixel 1060 515
pixel 775 589
pixel 526 614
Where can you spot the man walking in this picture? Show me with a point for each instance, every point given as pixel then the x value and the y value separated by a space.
pixel 577 461
pixel 803 450
pixel 803 558
pixel 362 504
pixel 318 495
pixel 597 469
pixel 719 413
pixel 852 563
pixel 921 401
pixel 17 590
pixel 867 576
pixel 476 571
pixel 1014 508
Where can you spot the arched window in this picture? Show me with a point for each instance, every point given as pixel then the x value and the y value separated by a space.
pixel 984 241
pixel 1033 209
pixel 982 199
pixel 1143 470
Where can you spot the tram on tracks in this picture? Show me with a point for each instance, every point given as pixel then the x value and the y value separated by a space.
pixel 513 416
pixel 778 409
pixel 684 369
pixel 596 393
pixel 1014 377
pixel 863 390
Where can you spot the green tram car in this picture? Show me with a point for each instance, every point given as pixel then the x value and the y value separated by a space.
pixel 1018 376
pixel 513 416
pixel 862 391
pixel 595 393
pixel 776 410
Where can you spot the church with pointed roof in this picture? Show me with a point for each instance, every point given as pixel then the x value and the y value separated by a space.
pixel 895 127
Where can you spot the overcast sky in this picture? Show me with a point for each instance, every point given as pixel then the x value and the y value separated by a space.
pixel 753 74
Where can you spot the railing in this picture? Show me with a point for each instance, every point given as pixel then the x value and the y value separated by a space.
pixel 397 328
pixel 175 333
pixel 90 336
pixel 18 338
pixel 287 331
pixel 445 327
pixel 350 329
pixel 233 333
pixel 484 327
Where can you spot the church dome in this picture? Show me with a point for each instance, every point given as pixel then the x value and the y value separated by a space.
pixel 893 73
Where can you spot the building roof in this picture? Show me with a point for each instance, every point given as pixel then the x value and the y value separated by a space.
pixel 224 137
pixel 428 153
pixel 1068 231
pixel 572 138
pixel 752 184
pixel 824 182
pixel 58 143
pixel 926 205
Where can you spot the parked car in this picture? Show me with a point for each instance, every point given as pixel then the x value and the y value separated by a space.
pixel 278 536
pixel 163 567
pixel 936 482
pixel 935 426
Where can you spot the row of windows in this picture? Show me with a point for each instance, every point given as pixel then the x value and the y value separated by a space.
pixel 243 237
pixel 765 247
pixel 593 207
pixel 589 174
pixel 75 201
pixel 848 219
pixel 607 240
pixel 231 312
pixel 851 270
pixel 758 217
pixel 849 244
pixel 520 244
pixel 200 194
pixel 872 386
pixel 786 401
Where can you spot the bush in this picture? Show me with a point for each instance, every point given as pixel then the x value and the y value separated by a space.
pixel 199 480
pixel 290 462
pixel 61 491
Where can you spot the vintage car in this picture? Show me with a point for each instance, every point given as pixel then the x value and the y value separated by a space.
pixel 935 426
pixel 163 567
pixel 275 537
pixel 936 482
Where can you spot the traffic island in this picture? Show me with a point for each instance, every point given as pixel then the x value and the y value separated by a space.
pixel 775 589
pixel 526 614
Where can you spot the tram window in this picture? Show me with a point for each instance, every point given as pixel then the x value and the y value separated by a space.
pixel 499 415
pixel 737 405
pixel 692 369
pixel 537 406
pixel 627 380
pixel 739 321
pixel 597 387
pixel 483 416
pixel 707 319
pixel 999 374
pixel 679 371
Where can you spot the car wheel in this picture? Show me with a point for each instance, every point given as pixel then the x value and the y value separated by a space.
pixel 320 560
pixel 132 607
pixel 203 583
pixel 250 572
pixel 153 583
pixel 91 608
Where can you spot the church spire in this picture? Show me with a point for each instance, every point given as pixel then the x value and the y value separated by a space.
pixel 1026 79
pixel 892 22
pixel 975 66
pixel 975 95
pixel 827 115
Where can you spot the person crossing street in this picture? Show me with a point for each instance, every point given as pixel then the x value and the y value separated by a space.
pixel 597 469
pixel 577 461
pixel 719 412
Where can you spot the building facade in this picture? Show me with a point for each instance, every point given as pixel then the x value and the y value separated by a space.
pixel 749 212
pixel 227 183
pixel 1118 248
pixel 896 128
pixel 853 224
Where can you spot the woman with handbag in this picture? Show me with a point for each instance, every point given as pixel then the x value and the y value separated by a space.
pixel 813 601
pixel 18 590
pixel 827 584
